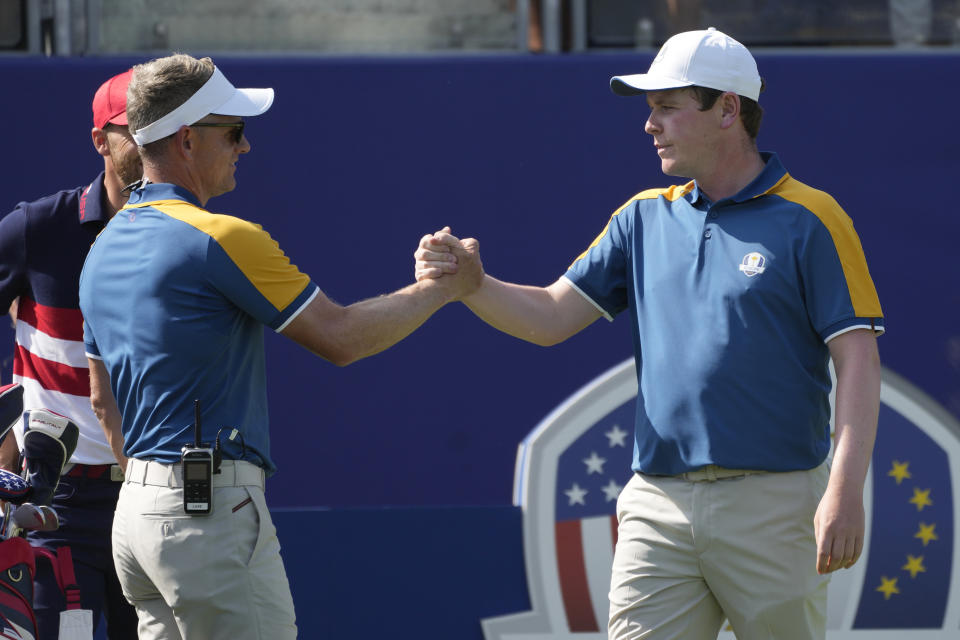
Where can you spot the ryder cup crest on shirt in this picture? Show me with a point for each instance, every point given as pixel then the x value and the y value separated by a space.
pixel 571 467
pixel 753 264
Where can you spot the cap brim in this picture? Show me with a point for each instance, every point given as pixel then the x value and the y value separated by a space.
pixel 246 102
pixel 642 82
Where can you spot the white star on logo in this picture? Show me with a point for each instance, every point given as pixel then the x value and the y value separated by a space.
pixel 575 493
pixel 612 490
pixel 594 463
pixel 617 436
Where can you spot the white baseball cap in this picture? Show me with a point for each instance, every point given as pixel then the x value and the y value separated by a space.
pixel 707 58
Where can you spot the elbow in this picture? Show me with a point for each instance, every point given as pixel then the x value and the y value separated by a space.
pixel 341 355
pixel 546 339
pixel 342 360
pixel 100 409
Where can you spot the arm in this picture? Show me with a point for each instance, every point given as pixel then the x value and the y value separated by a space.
pixel 105 408
pixel 541 315
pixel 344 335
pixel 9 453
pixel 839 522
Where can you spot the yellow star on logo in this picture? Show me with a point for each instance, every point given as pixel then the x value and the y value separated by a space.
pixel 921 498
pixel 926 533
pixel 899 471
pixel 914 565
pixel 888 587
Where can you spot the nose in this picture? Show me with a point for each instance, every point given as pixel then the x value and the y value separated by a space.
pixel 244 146
pixel 651 125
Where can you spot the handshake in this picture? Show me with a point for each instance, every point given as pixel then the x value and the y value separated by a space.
pixel 451 263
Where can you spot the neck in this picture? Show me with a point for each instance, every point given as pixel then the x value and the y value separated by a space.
pixel 182 179
pixel 116 197
pixel 732 173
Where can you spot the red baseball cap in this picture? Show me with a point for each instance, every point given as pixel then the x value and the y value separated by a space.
pixel 110 101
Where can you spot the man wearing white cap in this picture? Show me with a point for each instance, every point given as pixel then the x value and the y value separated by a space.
pixel 174 300
pixel 741 285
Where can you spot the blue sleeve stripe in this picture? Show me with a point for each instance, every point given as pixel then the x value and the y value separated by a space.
pixel 871 324
pixel 587 297
pixel 297 306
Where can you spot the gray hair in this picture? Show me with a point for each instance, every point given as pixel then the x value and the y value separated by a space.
pixel 160 86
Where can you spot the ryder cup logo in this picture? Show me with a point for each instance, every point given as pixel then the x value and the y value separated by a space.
pixel 752 264
pixel 571 467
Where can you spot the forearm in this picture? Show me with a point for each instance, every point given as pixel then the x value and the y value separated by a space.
pixel 344 335
pixel 839 521
pixel 105 409
pixel 855 426
pixel 9 453
pixel 111 429
pixel 541 315
pixel 373 325
pixel 109 418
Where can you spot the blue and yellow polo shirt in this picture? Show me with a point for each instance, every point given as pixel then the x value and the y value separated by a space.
pixel 732 304
pixel 174 300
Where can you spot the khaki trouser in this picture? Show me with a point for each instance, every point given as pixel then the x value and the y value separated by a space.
pixel 693 551
pixel 216 577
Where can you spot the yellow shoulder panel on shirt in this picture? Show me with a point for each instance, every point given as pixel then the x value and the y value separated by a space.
pixel 863 293
pixel 670 193
pixel 251 248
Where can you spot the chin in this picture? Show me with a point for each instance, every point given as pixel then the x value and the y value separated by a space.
pixel 668 167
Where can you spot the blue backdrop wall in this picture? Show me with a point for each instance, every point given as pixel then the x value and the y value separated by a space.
pixel 359 158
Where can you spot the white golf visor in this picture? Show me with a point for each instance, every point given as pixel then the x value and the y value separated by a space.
pixel 217 96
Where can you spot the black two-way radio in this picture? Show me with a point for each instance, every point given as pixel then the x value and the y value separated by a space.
pixel 197 466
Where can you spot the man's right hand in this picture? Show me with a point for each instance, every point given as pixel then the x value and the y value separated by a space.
pixel 435 256
pixel 454 264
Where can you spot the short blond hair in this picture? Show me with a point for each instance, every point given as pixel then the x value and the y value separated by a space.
pixel 161 85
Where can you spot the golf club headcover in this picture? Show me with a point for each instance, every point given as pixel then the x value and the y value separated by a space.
pixel 11 407
pixel 30 517
pixel 49 440
pixel 13 488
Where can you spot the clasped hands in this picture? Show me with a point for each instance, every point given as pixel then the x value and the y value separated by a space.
pixel 450 261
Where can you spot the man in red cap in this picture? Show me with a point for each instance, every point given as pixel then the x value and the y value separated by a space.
pixel 42 248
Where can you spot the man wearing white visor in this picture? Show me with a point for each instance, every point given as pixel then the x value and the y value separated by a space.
pixel 174 301
pixel 740 284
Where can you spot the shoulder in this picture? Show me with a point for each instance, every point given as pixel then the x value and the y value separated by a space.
pixel 51 206
pixel 233 233
pixel 671 193
pixel 221 228
pixel 651 198
pixel 820 204
pixel 44 215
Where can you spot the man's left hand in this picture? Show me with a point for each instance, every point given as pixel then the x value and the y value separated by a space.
pixel 839 529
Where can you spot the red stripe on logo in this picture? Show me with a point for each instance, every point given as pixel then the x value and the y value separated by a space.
pixel 51 375
pixel 573 577
pixel 57 322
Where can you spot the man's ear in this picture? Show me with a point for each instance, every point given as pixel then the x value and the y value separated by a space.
pixel 729 109
pixel 99 138
pixel 184 140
